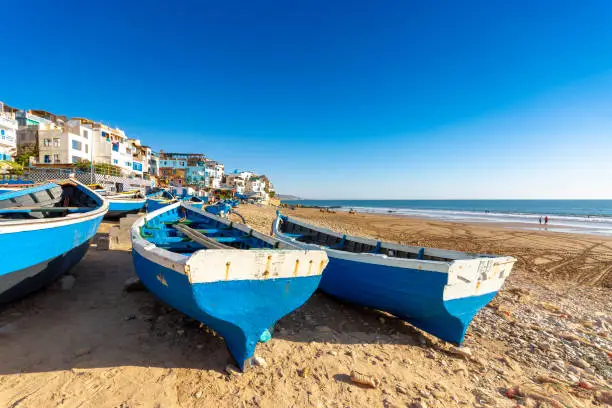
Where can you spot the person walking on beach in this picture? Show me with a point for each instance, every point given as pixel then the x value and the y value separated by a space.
pixel 540 220
pixel 546 220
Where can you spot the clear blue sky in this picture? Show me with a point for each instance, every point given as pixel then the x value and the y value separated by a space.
pixel 344 99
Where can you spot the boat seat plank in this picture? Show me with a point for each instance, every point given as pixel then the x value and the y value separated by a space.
pixel 200 238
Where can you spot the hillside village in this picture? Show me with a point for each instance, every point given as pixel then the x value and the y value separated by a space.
pixel 37 138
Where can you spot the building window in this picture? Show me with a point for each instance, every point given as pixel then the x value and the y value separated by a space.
pixel 115 161
pixel 47 142
pixel 56 158
pixel 85 134
pixel 76 159
pixel 47 158
pixel 56 142
pixel 76 145
pixel 115 147
pixel 86 148
pixel 128 164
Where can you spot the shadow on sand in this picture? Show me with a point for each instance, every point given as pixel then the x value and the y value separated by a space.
pixel 97 324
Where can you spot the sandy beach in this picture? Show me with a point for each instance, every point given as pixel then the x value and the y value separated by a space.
pixel 87 342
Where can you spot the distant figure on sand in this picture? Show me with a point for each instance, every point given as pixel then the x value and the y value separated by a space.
pixel 546 220
pixel 540 220
pixel 351 211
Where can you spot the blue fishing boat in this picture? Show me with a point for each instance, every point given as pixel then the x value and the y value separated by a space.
pixel 436 290
pixel 232 202
pixel 44 230
pixel 159 199
pixel 194 201
pixel 7 186
pixel 124 203
pixel 220 208
pixel 224 274
pixel 120 204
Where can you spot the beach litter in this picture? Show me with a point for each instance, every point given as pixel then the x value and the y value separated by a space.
pixel 364 380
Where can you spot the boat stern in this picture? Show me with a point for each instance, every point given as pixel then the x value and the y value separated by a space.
pixel 471 285
pixel 248 291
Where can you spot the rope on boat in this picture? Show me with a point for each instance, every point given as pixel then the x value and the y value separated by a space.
pixel 239 215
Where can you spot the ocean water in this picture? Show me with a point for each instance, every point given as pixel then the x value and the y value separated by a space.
pixel 581 216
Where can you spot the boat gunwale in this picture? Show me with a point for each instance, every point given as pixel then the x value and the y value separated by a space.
pixel 383 259
pixel 10 226
pixel 126 200
pixel 465 278
pixel 181 262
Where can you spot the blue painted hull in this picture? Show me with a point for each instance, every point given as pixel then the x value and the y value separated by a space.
pixel 120 208
pixel 239 310
pixel 218 208
pixel 31 259
pixel 18 284
pixel 153 205
pixel 410 294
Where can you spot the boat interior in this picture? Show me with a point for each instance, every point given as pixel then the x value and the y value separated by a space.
pixel 161 195
pixel 185 231
pixel 329 239
pixel 46 201
pixel 126 195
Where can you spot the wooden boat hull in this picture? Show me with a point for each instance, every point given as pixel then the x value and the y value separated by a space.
pixel 154 205
pixel 35 252
pixel 414 295
pixel 440 298
pixel 194 202
pixel 119 208
pixel 238 293
pixel 240 310
pixel 18 284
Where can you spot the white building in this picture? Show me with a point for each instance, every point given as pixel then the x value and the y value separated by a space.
pixel 238 180
pixel 8 133
pixel 147 153
pixel 62 147
pixel 141 155
pixel 111 147
pixel 154 164
pixel 216 172
pixel 256 184
pixel 68 144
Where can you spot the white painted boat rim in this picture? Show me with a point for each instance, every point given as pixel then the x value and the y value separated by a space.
pixel 213 265
pixel 12 226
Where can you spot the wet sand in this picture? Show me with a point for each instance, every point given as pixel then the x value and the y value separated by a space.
pixel 95 345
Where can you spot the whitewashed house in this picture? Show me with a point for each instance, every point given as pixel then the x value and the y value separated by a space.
pixel 141 156
pixel 216 172
pixel 256 188
pixel 236 181
pixel 111 147
pixel 68 145
pixel 8 132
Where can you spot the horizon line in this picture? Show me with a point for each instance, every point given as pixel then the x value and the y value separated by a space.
pixel 440 199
